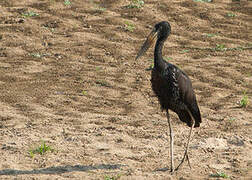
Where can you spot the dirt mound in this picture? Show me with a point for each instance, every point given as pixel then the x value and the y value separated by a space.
pixel 69 77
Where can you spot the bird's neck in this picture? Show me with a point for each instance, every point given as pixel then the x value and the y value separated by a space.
pixel 159 62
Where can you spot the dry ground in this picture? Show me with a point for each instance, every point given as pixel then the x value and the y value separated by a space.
pixel 68 77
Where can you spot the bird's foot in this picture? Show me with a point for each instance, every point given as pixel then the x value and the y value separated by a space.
pixel 189 164
pixel 182 161
pixel 172 171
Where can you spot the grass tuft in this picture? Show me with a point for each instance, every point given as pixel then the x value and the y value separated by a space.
pixel 84 92
pixel 150 67
pixel 210 35
pixel 220 47
pixel 244 101
pixel 230 15
pixel 219 174
pixel 135 4
pixel 30 14
pixel 208 1
pixel 42 149
pixel 129 26
pixel 98 68
pixel 116 177
pixel 67 2
pixel 184 51
pixel 36 55
pixel 101 9
pixel 167 58
pixel 39 55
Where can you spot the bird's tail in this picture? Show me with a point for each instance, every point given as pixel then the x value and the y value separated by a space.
pixel 185 116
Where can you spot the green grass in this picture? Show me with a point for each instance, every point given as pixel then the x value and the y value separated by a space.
pixel 36 55
pixel 84 92
pixel 203 1
pixel 42 149
pixel 184 51
pixel 220 47
pixel 230 15
pixel 230 122
pixel 115 177
pixel 30 14
pixel 167 58
pixel 135 4
pixel 97 6
pixel 98 68
pixel 231 119
pixel 39 55
pixel 129 26
pixel 219 174
pixel 101 9
pixel 67 2
pixel 244 101
pixel 210 35
pixel 249 44
pixel 150 67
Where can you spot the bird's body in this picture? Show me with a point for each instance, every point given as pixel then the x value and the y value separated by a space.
pixel 172 86
pixel 174 91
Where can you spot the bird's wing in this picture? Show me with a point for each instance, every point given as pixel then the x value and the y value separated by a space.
pixel 187 95
pixel 179 84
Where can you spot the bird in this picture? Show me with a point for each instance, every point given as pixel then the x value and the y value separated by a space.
pixel 173 88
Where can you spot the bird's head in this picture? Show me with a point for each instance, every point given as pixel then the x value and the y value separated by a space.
pixel 160 31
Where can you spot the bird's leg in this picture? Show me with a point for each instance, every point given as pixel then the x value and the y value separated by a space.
pixel 171 141
pixel 188 141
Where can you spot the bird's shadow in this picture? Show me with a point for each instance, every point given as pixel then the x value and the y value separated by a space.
pixel 164 169
pixel 60 169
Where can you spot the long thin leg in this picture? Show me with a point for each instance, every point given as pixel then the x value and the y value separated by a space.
pixel 171 141
pixel 188 141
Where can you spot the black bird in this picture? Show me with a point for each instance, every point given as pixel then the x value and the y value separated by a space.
pixel 172 87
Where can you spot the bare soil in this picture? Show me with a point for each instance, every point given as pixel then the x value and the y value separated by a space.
pixel 68 77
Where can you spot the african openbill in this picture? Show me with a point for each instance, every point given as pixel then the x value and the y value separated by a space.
pixel 172 87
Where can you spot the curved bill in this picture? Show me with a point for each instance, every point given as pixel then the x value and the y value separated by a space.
pixel 149 41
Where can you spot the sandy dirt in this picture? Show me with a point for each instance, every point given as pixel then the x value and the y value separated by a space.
pixel 68 77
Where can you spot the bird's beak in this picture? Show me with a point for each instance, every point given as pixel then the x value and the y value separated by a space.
pixel 149 41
